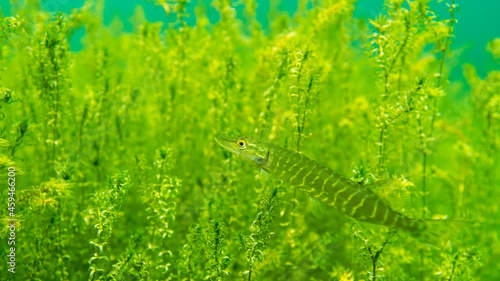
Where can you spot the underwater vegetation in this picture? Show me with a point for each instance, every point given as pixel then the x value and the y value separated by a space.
pixel 110 169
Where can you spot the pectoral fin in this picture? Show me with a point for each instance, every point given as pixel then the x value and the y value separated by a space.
pixel 264 177
pixel 318 208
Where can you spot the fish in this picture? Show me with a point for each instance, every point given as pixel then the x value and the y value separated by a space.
pixel 323 184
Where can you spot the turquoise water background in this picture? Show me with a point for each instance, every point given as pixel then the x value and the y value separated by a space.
pixel 478 22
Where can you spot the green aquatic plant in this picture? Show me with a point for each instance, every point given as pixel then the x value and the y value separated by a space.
pixel 218 261
pixel 303 91
pixel 494 48
pixel 107 204
pixel 189 263
pixel 51 228
pixel 132 264
pixel 370 252
pixel 377 99
pixel 159 195
pixel 255 243
pixel 49 57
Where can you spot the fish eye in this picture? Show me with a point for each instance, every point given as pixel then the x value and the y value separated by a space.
pixel 242 144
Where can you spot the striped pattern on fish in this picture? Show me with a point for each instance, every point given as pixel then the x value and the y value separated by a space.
pixel 323 184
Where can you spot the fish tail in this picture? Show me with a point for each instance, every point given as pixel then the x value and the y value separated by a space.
pixel 436 232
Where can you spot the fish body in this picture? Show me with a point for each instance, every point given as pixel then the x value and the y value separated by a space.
pixel 323 184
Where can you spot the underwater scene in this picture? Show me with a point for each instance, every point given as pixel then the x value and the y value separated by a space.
pixel 249 140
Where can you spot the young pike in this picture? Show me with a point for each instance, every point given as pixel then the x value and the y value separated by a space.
pixel 322 183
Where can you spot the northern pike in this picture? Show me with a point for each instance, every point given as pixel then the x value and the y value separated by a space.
pixel 323 184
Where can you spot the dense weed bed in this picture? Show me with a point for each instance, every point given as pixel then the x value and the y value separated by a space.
pixel 119 176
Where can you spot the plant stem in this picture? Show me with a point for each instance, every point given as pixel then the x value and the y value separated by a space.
pixel 375 257
pixel 424 164
pixel 444 48
pixel 421 264
pixel 381 151
pixel 454 267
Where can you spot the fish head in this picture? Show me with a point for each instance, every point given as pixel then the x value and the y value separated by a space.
pixel 253 151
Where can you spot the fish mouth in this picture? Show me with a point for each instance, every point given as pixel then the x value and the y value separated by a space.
pixel 222 140
pixel 227 143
